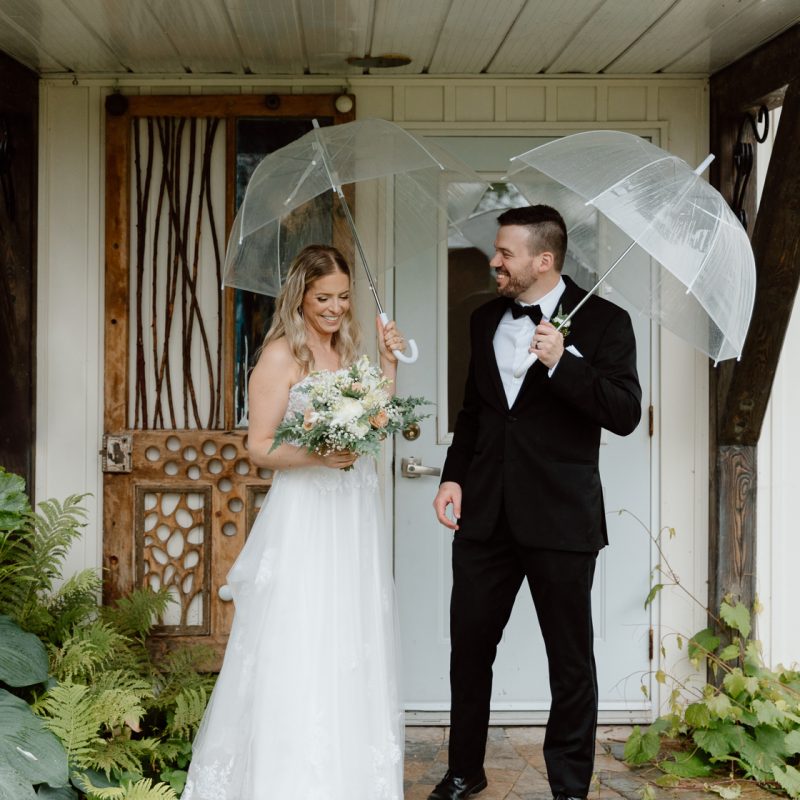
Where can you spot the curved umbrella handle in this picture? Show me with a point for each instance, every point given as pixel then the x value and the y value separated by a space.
pixel 399 354
pixel 526 365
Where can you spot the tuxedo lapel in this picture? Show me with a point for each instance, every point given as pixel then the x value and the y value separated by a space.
pixel 489 359
pixel 570 297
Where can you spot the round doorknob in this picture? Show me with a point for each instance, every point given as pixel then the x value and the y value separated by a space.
pixel 225 593
pixel 411 432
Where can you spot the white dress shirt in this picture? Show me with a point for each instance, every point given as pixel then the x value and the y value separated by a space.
pixel 512 340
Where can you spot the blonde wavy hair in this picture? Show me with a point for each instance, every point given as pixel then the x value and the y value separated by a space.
pixel 310 264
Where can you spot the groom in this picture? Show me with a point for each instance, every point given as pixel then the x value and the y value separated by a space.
pixel 522 479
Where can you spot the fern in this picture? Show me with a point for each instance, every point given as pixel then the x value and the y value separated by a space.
pixel 73 720
pixel 143 789
pixel 32 558
pixel 179 670
pixel 136 614
pixel 74 603
pixel 189 707
pixel 123 754
pixel 85 651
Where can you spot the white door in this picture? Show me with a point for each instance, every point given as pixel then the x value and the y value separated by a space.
pixel 433 306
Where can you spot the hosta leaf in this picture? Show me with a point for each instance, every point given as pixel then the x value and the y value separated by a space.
pixel 685 765
pixel 789 779
pixel 27 746
pixel 641 747
pixel 63 793
pixel 702 643
pixel 13 786
pixel 23 658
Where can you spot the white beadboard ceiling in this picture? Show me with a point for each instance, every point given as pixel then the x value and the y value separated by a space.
pixel 442 37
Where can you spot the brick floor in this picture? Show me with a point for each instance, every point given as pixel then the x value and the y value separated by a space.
pixel 516 771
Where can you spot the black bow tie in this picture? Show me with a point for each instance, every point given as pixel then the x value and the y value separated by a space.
pixel 517 311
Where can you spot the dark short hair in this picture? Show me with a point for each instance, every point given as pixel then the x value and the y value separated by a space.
pixel 546 228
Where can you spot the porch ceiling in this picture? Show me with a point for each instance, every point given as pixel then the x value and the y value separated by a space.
pixel 442 37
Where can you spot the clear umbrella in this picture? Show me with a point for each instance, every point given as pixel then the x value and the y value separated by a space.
pixel 703 288
pixel 480 229
pixel 431 190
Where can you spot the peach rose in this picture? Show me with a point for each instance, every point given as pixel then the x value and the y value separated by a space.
pixel 309 417
pixel 379 420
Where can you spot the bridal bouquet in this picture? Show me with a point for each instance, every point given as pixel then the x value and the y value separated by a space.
pixel 350 409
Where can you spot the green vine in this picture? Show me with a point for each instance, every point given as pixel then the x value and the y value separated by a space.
pixel 745 725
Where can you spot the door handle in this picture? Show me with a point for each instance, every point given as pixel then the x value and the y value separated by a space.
pixel 413 468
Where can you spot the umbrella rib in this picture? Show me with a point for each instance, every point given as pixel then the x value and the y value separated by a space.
pixel 424 149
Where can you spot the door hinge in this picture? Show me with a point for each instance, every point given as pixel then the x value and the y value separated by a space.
pixel 650 419
pixel 650 652
pixel 116 452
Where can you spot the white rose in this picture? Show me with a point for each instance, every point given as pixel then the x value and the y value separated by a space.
pixel 348 409
pixel 360 430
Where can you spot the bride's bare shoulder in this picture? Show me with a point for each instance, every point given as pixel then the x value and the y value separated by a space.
pixel 276 364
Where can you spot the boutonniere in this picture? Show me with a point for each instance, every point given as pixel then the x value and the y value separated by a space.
pixel 561 321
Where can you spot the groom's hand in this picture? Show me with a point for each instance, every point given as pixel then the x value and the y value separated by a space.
pixel 449 494
pixel 548 344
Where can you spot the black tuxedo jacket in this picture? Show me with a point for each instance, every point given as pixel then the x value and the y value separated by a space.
pixel 538 460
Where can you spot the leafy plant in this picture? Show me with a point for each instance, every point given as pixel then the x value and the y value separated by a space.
pixel 744 725
pixel 85 705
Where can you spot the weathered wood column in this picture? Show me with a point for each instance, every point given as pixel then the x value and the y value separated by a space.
pixel 740 390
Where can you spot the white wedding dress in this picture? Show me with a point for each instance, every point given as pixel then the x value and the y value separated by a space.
pixel 306 706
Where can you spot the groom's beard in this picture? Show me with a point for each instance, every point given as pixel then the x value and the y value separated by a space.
pixel 514 285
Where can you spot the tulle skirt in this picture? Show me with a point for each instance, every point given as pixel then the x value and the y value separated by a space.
pixel 307 706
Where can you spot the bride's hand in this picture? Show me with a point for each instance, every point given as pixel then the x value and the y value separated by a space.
pixel 338 459
pixel 390 338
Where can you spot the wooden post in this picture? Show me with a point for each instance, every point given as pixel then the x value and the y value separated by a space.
pixel 740 391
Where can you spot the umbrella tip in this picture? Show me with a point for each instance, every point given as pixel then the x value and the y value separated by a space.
pixel 704 165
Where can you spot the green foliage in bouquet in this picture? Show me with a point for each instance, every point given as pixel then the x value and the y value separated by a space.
pixel 349 409
pixel 83 707
pixel 743 725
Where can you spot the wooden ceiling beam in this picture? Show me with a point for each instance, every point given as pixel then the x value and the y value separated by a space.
pixel 761 76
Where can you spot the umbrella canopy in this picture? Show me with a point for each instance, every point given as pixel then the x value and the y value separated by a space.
pixel 703 285
pixel 277 217
pixel 480 228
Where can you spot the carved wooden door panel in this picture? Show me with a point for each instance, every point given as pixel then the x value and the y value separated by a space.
pixel 179 492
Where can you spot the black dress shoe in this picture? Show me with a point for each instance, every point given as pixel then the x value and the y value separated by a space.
pixel 561 796
pixel 452 787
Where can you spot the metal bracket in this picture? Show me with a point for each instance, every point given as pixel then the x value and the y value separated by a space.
pixel 117 452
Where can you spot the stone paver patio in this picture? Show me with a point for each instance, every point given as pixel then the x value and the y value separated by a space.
pixel 516 770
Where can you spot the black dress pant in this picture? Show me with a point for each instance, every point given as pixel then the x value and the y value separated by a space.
pixel 486 579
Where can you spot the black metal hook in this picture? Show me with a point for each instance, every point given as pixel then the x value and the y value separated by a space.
pixel 744 159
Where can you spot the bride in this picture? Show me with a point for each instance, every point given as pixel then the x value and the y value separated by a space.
pixel 306 706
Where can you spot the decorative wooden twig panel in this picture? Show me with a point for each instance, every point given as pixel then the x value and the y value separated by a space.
pixel 176 273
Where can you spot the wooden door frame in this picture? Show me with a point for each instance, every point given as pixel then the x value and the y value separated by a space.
pixel 120 505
